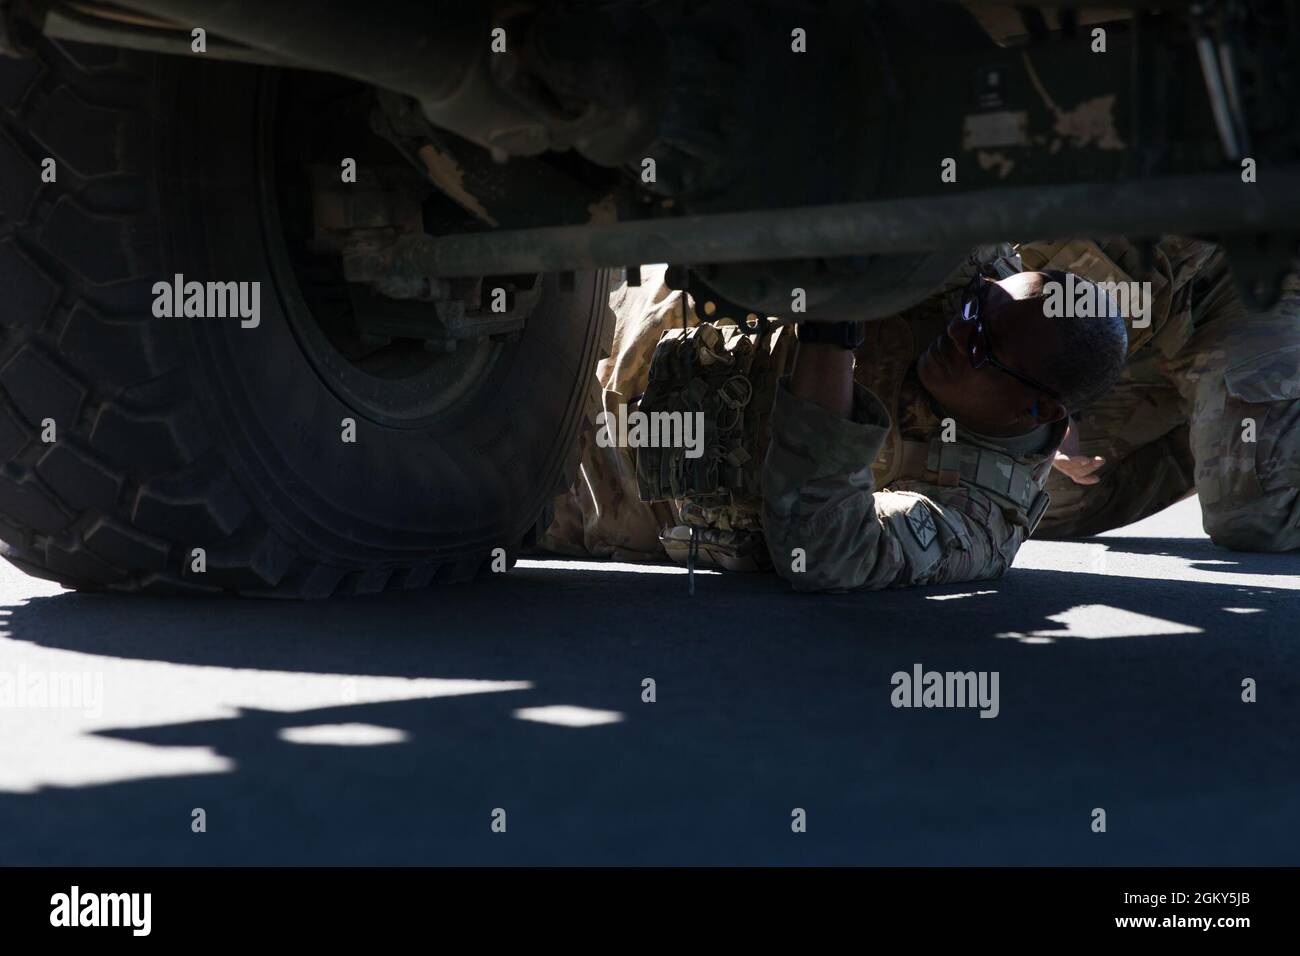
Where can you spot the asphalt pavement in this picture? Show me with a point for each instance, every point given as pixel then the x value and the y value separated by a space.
pixel 508 721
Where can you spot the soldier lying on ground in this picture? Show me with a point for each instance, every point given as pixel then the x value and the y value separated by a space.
pixel 979 381
pixel 1209 402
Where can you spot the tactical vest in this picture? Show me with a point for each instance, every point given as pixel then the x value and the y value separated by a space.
pixel 1014 484
pixel 725 374
pixel 722 373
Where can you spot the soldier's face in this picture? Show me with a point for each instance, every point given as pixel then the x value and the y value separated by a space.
pixel 988 399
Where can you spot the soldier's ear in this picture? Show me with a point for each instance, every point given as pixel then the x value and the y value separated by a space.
pixel 1045 411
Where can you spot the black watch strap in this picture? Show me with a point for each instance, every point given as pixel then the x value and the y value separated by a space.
pixel 847 335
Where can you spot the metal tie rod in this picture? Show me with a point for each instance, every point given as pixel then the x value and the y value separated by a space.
pixel 1206 205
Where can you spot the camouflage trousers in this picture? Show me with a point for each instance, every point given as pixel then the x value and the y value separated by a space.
pixel 602 514
pixel 1216 411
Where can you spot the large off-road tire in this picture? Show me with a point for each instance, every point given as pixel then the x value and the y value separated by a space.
pixel 174 434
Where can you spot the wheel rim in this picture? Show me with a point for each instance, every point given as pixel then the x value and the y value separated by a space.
pixel 400 384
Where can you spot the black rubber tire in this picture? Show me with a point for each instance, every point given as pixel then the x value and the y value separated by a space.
pixel 176 434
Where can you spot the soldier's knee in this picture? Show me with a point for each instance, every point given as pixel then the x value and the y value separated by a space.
pixel 1248 474
pixel 1270 523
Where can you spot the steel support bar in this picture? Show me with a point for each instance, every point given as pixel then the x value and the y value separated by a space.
pixel 438 52
pixel 68 23
pixel 1215 204
pixel 424 49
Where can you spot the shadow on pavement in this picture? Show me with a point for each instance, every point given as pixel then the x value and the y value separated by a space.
pixel 766 701
pixel 1202 553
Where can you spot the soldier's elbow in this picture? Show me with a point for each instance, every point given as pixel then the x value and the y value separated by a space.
pixel 808 573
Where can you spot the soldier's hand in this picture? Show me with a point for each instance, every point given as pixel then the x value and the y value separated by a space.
pixel 1081 469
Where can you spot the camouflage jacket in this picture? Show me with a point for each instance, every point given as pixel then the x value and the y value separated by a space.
pixel 875 501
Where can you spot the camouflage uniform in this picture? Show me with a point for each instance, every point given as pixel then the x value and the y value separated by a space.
pixel 603 515
pixel 947 511
pixel 1179 420
pixel 950 511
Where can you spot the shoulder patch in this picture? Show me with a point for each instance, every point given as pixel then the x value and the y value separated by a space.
pixel 921 523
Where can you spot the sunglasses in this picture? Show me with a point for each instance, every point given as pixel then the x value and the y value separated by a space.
pixel 981 343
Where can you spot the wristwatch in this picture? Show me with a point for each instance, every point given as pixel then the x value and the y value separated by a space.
pixel 847 335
